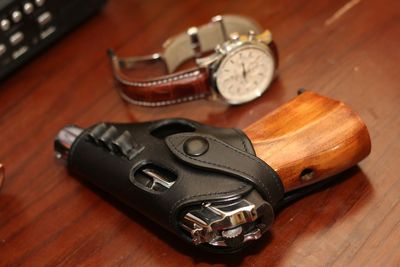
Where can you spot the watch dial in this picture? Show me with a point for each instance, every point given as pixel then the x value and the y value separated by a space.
pixel 245 74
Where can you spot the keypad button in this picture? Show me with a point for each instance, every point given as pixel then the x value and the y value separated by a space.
pixel 40 2
pixel 3 49
pixel 5 24
pixel 28 8
pixel 16 16
pixel 44 18
pixel 16 38
pixel 19 52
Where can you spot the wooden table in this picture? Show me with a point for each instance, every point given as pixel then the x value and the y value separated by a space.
pixel 348 50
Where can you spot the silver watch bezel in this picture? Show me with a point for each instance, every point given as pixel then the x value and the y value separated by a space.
pixel 226 50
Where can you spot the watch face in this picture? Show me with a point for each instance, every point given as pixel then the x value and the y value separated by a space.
pixel 245 74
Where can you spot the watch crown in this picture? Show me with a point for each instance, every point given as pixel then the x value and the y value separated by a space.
pixel 251 35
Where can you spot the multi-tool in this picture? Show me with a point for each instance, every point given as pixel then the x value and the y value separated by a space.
pixel 218 188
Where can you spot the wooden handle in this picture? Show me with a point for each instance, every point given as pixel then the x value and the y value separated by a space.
pixel 309 139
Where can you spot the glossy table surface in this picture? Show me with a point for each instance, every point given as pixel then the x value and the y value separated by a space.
pixel 347 50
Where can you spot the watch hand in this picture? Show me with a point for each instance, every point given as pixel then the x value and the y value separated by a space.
pixel 244 71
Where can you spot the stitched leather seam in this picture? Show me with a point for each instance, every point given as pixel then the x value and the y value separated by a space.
pixel 255 159
pixel 241 139
pixel 201 195
pixel 162 81
pixel 230 168
pixel 161 103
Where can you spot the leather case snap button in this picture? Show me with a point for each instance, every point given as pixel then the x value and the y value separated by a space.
pixel 195 146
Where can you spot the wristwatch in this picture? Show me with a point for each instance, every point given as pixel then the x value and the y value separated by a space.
pixel 235 61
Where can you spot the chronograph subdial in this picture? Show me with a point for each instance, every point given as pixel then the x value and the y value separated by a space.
pixel 245 74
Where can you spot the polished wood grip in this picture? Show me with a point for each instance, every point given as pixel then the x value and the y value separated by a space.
pixel 310 138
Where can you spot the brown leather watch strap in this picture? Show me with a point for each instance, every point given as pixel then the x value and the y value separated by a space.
pixel 171 89
pixel 177 87
pixel 164 90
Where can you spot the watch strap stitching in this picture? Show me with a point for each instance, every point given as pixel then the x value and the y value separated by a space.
pixel 163 102
pixel 153 82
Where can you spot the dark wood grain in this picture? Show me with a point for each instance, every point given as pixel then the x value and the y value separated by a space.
pixel 345 50
pixel 310 138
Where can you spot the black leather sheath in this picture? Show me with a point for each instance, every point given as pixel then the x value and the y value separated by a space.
pixel 206 164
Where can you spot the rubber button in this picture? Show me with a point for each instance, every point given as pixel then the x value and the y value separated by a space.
pixel 195 146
